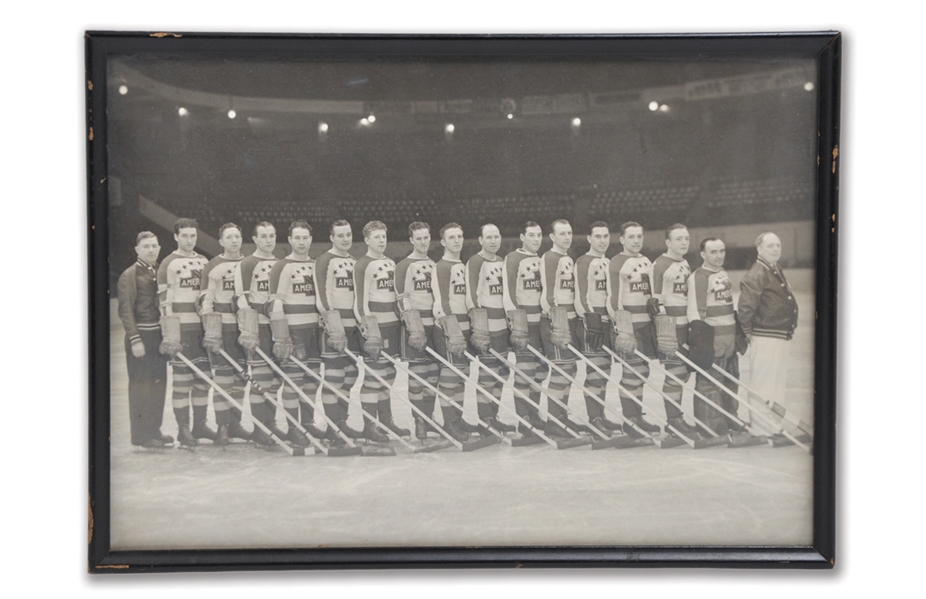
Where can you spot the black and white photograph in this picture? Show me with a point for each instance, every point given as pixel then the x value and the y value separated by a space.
pixel 490 295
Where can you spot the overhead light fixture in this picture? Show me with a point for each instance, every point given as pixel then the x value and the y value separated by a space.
pixel 510 116
pixel 322 127
pixel 183 111
pixel 449 128
pixel 123 89
pixel 654 106
pixel 664 108
pixel 577 122
pixel 232 114
pixel 371 118
pixel 809 86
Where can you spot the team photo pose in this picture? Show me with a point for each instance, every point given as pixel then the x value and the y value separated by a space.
pixel 485 278
pixel 179 285
pixel 415 304
pixel 375 310
pixel 220 322
pixel 629 292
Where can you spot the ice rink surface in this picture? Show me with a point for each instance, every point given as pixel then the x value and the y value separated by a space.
pixel 497 496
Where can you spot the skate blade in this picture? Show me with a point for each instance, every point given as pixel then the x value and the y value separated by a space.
pixel 718 441
pixel 628 442
pixel 737 440
pixel 480 443
pixel 605 443
pixel 570 443
pixel 525 441
pixel 429 446
pixel 668 441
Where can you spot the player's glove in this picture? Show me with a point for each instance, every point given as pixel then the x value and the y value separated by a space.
pixel 282 342
pixel 560 335
pixel 654 308
pixel 248 327
pixel 417 337
pixel 299 351
pixel 212 338
pixel 666 335
pixel 456 342
pixel 624 340
pixel 334 329
pixel 517 322
pixel 594 331
pixel 479 322
pixel 701 343
pixel 170 336
pixel 373 339
pixel 138 348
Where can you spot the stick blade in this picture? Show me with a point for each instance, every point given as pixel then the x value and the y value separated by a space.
pixel 737 440
pixel 570 443
pixel 525 441
pixel 706 442
pixel 374 451
pixel 780 440
pixel 480 443
pixel 668 441
pixel 628 442
pixel 606 443
pixel 429 446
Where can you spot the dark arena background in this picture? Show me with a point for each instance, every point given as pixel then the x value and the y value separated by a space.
pixel 728 148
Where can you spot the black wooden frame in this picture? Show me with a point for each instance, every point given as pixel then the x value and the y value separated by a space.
pixel 825 47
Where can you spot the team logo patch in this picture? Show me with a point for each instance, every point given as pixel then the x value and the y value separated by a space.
pixel 190 282
pixel 263 285
pixel 723 295
pixel 459 289
pixel 344 283
pixel 495 289
pixel 601 285
pixel 530 284
pixel 384 284
pixel 228 285
pixel 304 288
pixel 640 287
pixel 567 284
pixel 424 285
pixel 680 288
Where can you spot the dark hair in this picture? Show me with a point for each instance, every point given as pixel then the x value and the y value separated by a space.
pixel 228 226
pixel 529 225
pixel 449 226
pixel 415 226
pixel 629 224
pixel 263 223
pixel 300 224
pixel 185 223
pixel 144 235
pixel 559 221
pixel 706 239
pixel 373 225
pixel 483 228
pixel 674 227
pixel 597 225
pixel 338 223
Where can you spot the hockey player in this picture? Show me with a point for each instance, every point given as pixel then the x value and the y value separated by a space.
pixel 416 310
pixel 179 284
pixel 558 323
pixel 218 308
pixel 669 310
pixel 521 296
pixel 147 368
pixel 629 291
pixel 375 310
pixel 485 278
pixel 453 331
pixel 252 290
pixel 334 289
pixel 712 332
pixel 591 273
pixel 294 325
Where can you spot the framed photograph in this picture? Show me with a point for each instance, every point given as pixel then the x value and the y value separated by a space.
pixel 462 301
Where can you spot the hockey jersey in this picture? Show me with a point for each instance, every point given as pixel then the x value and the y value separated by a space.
pixel 629 286
pixel 374 288
pixel 413 286
pixel 292 283
pixel 252 285
pixel 334 285
pixel 484 282
pixel 670 287
pixel 557 282
pixel 710 298
pixel 449 288
pixel 592 284
pixel 218 289
pixel 522 289
pixel 179 285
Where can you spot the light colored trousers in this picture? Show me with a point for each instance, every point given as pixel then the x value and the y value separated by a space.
pixel 768 377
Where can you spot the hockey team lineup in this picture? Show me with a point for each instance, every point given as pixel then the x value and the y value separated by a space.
pixel 291 341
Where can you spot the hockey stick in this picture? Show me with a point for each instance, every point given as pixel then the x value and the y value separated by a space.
pixel 693 443
pixel 472 445
pixel 776 408
pixel 539 434
pixel 294 451
pixel 606 440
pixel 344 396
pixel 356 449
pixel 577 439
pixel 366 367
pixel 732 441
pixel 255 386
pixel 774 425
